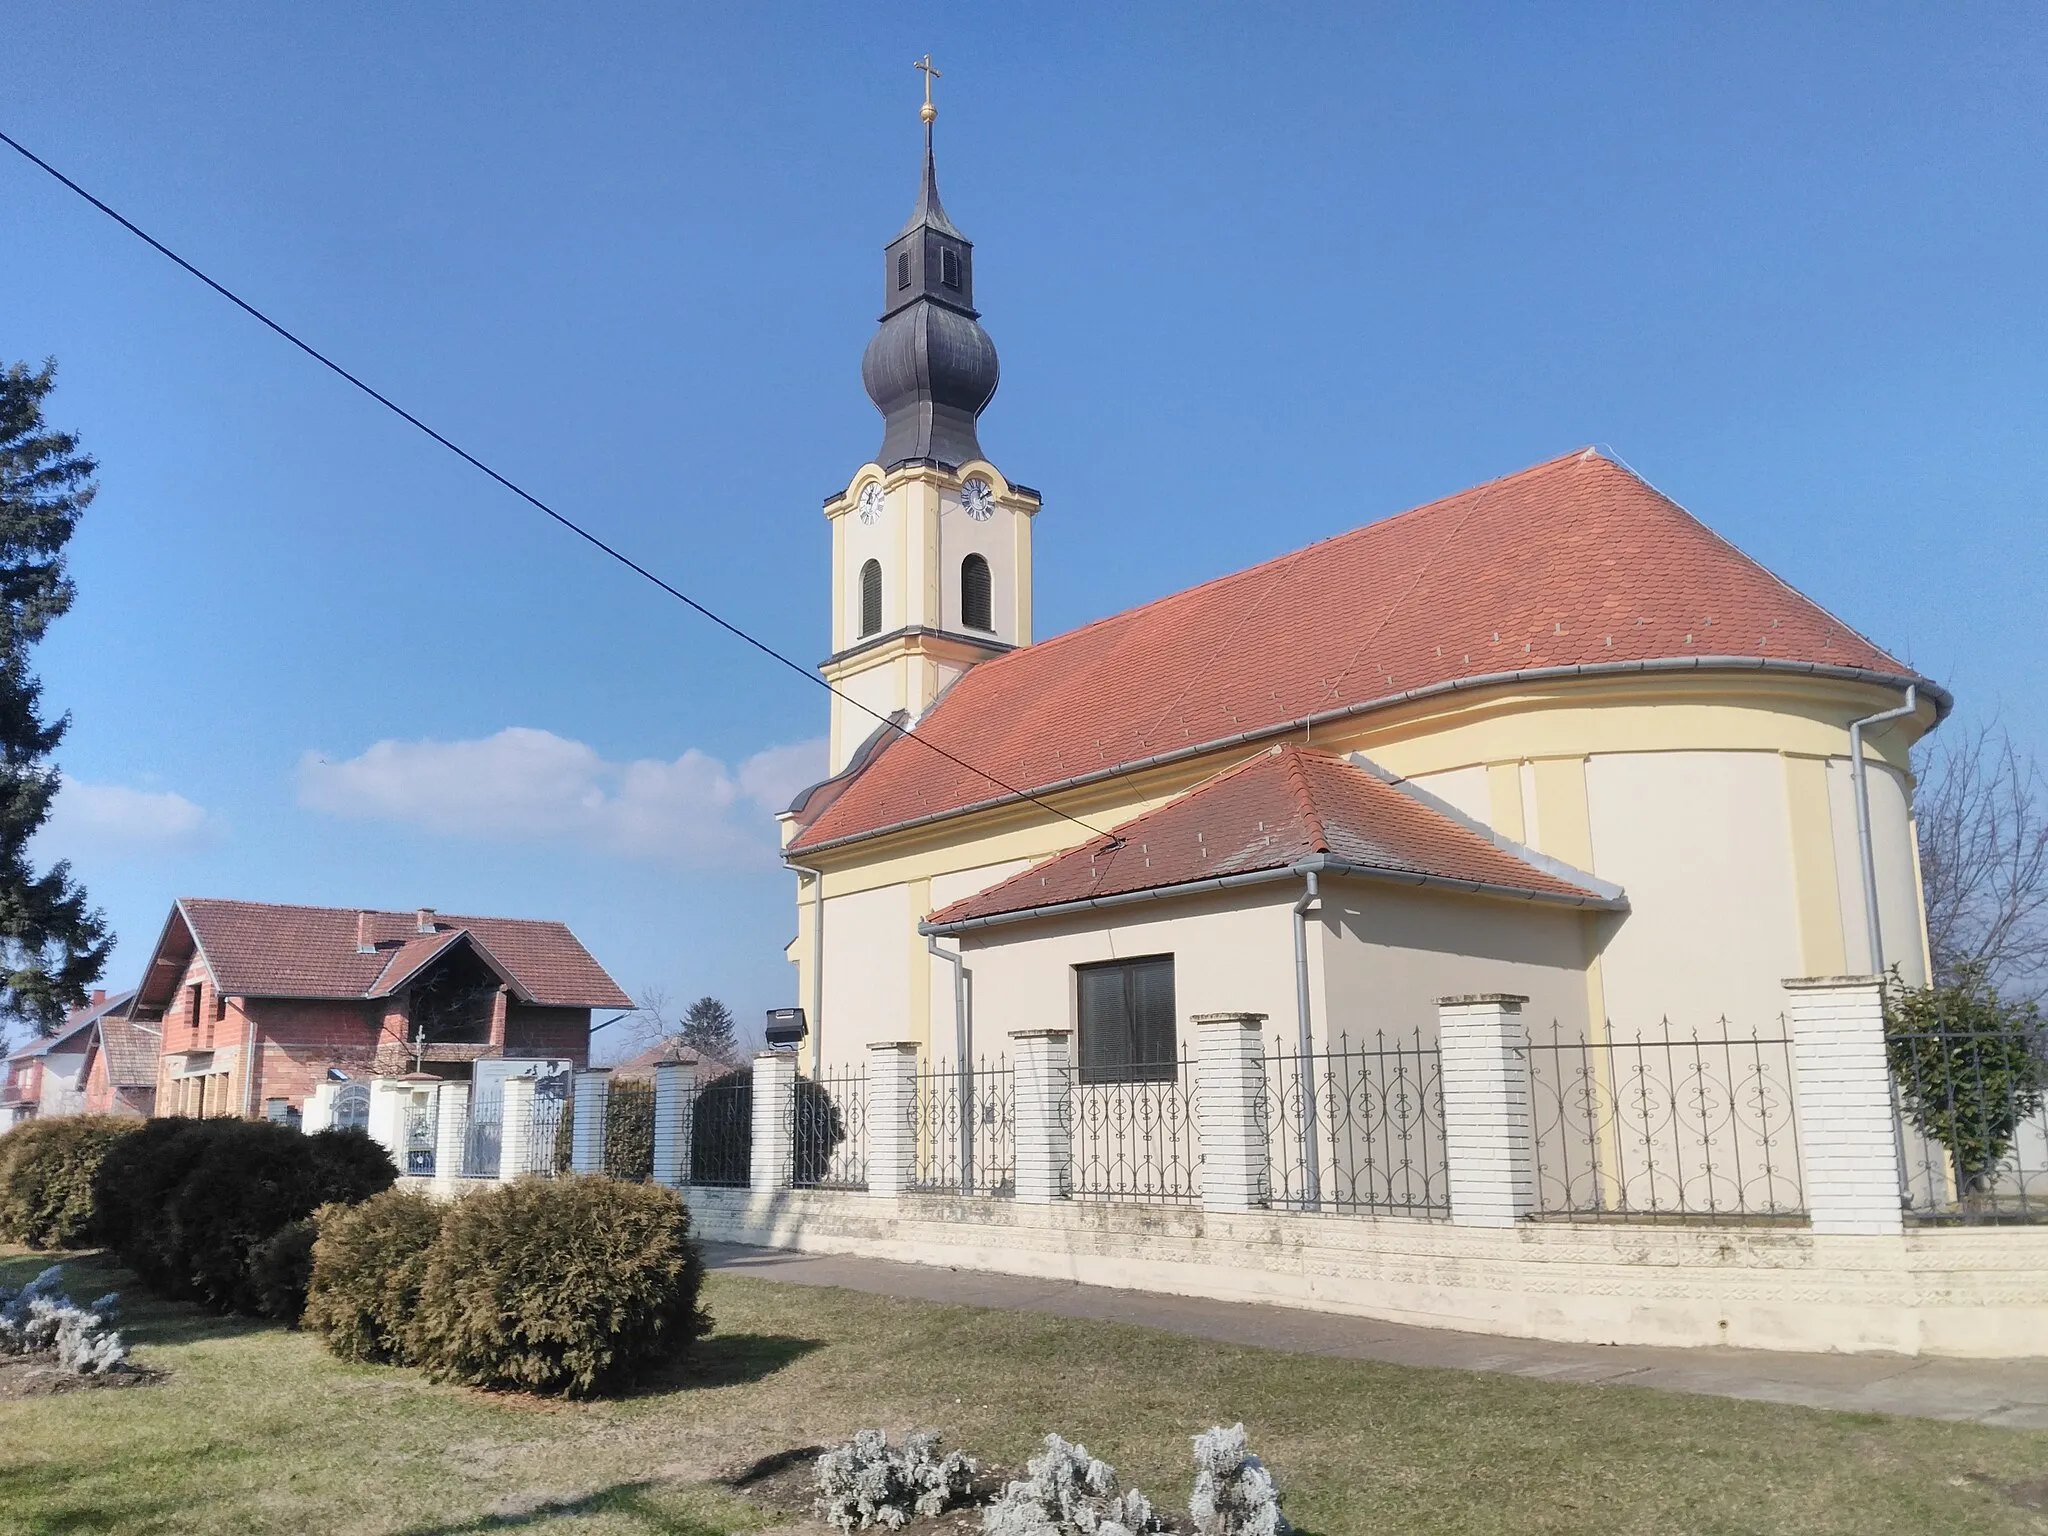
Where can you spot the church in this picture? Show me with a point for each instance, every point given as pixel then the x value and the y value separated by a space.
pixel 1549 737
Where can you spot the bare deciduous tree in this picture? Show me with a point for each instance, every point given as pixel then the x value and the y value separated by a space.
pixel 1983 821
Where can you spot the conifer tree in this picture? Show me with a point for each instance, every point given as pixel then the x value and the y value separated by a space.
pixel 53 945
pixel 709 1030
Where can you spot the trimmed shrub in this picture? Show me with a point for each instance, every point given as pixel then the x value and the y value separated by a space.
pixel 628 1132
pixel 189 1206
pixel 46 1177
pixel 368 1262
pixel 351 1166
pixel 559 1285
pixel 281 1269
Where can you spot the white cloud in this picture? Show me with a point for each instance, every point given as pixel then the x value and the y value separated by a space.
pixel 102 821
pixel 527 785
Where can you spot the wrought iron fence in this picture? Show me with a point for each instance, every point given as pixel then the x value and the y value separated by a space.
pixel 1968 1105
pixel 629 1130
pixel 547 1137
pixel 1666 1125
pixel 1357 1128
pixel 722 1131
pixel 1135 1138
pixel 963 1125
pixel 829 1136
pixel 422 1122
pixel 484 1138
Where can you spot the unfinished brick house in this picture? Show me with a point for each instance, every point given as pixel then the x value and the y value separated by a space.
pixel 319 995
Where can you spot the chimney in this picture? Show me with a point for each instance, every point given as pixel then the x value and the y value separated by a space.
pixel 426 921
pixel 366 944
pixel 99 995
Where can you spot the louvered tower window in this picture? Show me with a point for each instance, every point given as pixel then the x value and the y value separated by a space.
pixel 871 599
pixel 975 594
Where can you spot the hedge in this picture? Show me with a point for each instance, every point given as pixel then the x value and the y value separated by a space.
pixel 368 1263
pixel 190 1204
pixel 569 1285
pixel 46 1177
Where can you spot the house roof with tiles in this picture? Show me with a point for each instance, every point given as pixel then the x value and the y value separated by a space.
pixel 1574 567
pixel 261 949
pixel 1284 809
pixel 131 1050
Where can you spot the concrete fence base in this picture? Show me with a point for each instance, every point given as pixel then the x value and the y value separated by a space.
pixel 1976 1293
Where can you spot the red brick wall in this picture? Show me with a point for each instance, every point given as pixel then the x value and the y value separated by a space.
pixel 558 1032
pixel 298 1040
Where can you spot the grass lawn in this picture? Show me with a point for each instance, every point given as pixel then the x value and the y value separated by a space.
pixel 256 1429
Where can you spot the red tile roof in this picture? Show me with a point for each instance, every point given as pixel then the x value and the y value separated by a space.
pixel 1284 806
pixel 257 949
pixel 1574 563
pixel 131 1051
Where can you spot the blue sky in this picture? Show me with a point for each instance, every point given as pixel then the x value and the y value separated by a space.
pixel 1256 276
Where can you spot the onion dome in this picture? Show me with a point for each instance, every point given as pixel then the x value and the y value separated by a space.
pixel 931 368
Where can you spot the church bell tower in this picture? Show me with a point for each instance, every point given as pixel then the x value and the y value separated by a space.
pixel 931 544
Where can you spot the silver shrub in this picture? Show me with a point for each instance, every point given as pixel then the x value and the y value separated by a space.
pixel 39 1319
pixel 868 1482
pixel 1068 1493
pixel 1234 1493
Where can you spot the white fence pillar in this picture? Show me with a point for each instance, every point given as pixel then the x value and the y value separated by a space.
pixel 591 1090
pixel 317 1114
pixel 1842 1096
pixel 515 1129
pixel 1488 1135
pixel 675 1096
pixel 451 1132
pixel 892 1117
pixel 1044 1136
pixel 388 1098
pixel 1230 1073
pixel 774 1151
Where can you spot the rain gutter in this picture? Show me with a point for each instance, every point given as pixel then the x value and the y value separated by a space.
pixel 1943 702
pixel 1320 863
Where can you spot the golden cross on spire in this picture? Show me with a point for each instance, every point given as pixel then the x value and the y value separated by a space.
pixel 931 73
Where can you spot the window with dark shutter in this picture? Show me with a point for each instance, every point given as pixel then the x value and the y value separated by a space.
pixel 1126 1021
pixel 903 269
pixel 871 599
pixel 949 268
pixel 975 594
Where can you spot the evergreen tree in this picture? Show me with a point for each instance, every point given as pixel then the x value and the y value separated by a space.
pixel 53 946
pixel 709 1030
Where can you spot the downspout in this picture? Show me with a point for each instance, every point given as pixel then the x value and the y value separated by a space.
pixel 248 1066
pixel 1863 839
pixel 817 965
pixel 1311 1158
pixel 963 1050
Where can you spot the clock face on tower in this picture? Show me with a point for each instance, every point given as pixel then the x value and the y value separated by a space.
pixel 870 503
pixel 978 499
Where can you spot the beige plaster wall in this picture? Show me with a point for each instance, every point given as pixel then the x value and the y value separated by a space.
pixel 1389 952
pixel 1892 836
pixel 867 970
pixel 1974 1293
pixel 1699 842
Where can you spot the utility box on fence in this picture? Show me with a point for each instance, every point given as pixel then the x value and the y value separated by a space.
pixel 786 1029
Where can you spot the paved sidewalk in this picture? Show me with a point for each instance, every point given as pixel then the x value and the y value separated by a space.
pixel 2013 1393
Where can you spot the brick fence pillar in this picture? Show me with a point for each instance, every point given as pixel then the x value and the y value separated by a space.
pixel 892 1117
pixel 675 1097
pixel 774 1152
pixel 591 1093
pixel 1842 1096
pixel 451 1133
pixel 515 1129
pixel 1488 1135
pixel 1230 1078
pixel 388 1098
pixel 1044 1136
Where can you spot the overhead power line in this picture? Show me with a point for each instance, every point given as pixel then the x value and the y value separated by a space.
pixel 527 496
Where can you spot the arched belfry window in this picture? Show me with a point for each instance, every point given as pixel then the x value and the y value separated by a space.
pixel 871 599
pixel 975 607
